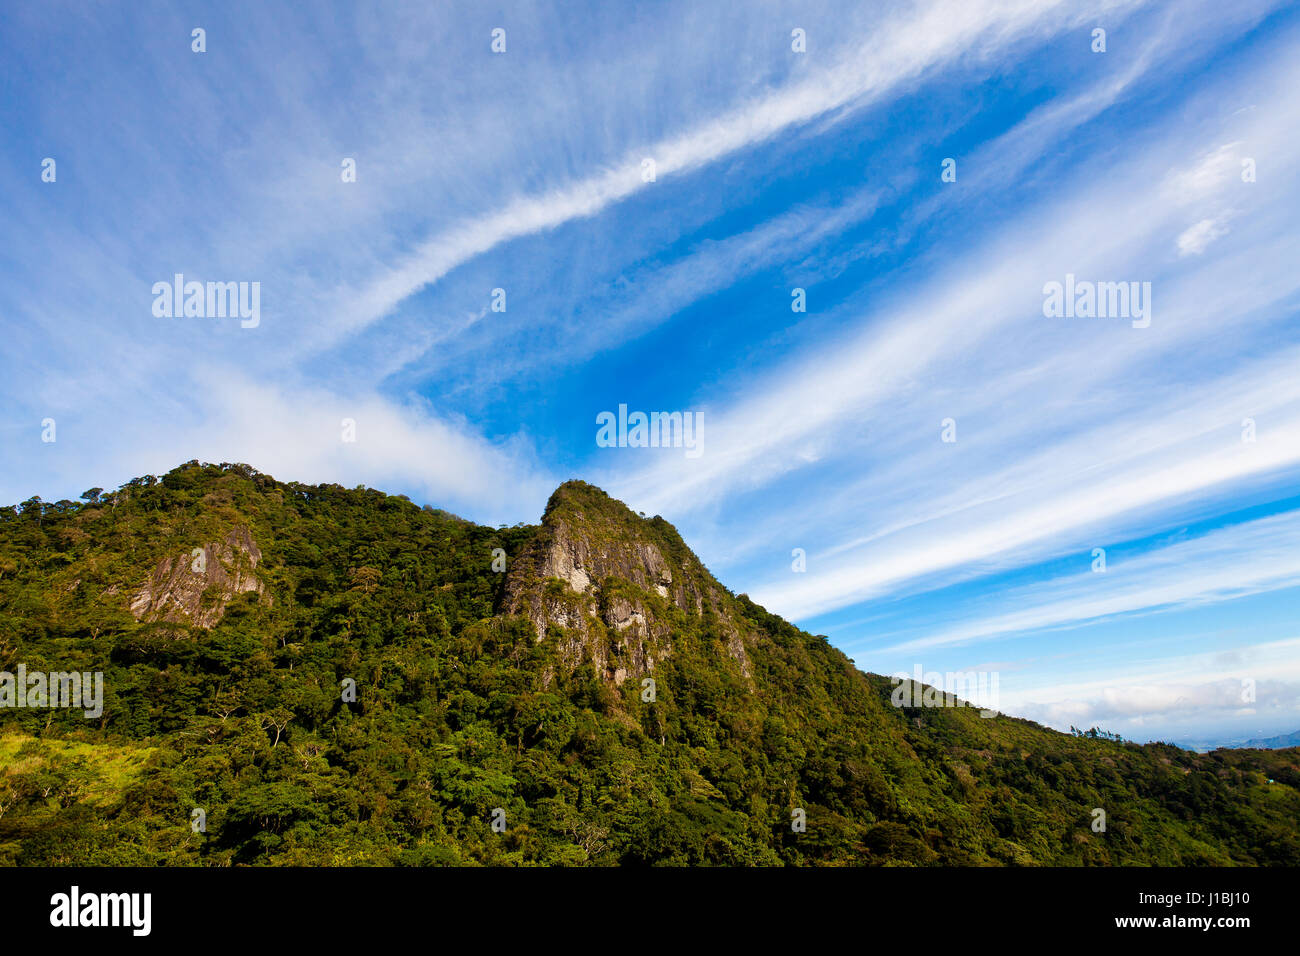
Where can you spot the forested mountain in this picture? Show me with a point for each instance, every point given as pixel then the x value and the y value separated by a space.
pixel 320 675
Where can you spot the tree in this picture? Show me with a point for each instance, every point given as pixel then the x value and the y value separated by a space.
pixel 34 505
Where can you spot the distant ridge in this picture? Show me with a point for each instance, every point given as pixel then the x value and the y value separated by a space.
pixel 1275 743
pixel 1280 742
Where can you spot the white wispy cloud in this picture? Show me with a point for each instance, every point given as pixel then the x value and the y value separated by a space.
pixel 970 346
pixel 901 49
pixel 1241 560
pixel 1192 690
pixel 1196 238
pixel 295 431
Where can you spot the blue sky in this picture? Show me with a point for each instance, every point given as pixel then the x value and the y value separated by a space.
pixel 774 170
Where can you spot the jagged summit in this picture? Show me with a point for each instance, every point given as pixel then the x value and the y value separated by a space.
pixel 615 584
pixel 576 493
pixel 576 501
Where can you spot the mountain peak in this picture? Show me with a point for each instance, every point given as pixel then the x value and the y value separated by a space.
pixel 614 586
pixel 577 497
pixel 575 491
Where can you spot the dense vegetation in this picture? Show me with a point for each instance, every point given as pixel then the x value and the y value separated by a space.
pixel 461 710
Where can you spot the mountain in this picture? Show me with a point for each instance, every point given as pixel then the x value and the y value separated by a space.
pixel 309 674
pixel 1279 742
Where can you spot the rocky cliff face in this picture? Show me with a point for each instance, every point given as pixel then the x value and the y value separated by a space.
pixel 616 588
pixel 195 587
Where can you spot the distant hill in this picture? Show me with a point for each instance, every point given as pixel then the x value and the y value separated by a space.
pixel 322 675
pixel 1275 743
pixel 1280 742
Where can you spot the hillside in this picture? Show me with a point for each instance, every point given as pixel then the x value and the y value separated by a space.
pixel 504 675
